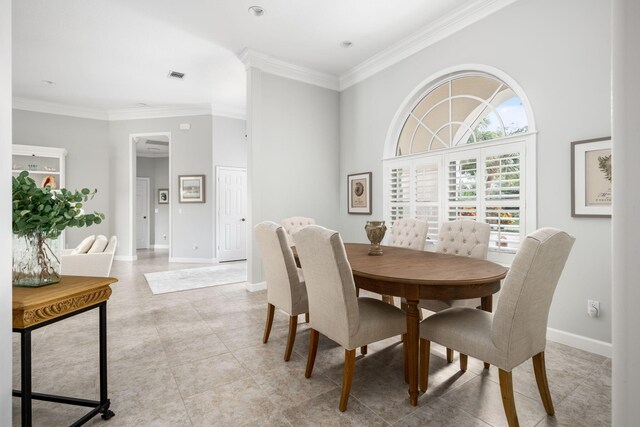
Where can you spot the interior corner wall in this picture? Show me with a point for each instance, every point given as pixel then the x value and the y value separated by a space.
pixel 293 154
pixel 5 218
pixel 191 153
pixel 626 269
pixel 86 164
pixel 561 58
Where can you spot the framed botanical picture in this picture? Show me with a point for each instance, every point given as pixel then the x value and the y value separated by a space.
pixel 591 178
pixel 163 196
pixel 191 188
pixel 359 193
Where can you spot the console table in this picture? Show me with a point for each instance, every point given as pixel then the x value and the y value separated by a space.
pixel 34 308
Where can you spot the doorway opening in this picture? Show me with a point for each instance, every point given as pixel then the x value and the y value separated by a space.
pixel 150 202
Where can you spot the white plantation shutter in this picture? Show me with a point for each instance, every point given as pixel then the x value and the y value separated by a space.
pixel 503 199
pixel 399 193
pixel 426 196
pixel 462 187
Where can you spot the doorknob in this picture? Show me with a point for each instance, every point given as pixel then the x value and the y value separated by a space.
pixel 242 219
pixel 144 217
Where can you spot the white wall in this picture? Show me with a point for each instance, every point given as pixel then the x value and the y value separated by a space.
pixel 293 154
pixel 191 154
pixel 560 56
pixel 5 218
pixel 626 269
pixel 87 162
pixel 229 142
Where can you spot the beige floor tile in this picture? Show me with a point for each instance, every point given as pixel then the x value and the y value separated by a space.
pixel 187 350
pixel 197 377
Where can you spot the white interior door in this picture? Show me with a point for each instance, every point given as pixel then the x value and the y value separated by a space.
pixel 232 213
pixel 142 213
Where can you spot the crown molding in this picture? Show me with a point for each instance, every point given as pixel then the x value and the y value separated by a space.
pixel 230 112
pixel 57 108
pixel 433 33
pixel 159 112
pixel 268 64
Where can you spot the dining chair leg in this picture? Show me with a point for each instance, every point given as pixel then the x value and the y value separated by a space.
pixel 405 354
pixel 449 355
pixel 293 325
pixel 425 349
pixel 314 337
pixel 543 386
pixel 349 367
pixel 463 362
pixel 363 350
pixel 487 365
pixel 267 327
pixel 306 318
pixel 506 389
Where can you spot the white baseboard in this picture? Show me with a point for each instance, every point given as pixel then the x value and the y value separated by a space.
pixel 160 246
pixel 253 287
pixel 578 341
pixel 125 257
pixel 194 260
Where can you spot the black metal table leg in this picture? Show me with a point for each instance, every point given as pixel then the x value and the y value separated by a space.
pixel 104 401
pixel 25 376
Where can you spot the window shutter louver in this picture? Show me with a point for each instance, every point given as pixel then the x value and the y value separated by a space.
pixel 462 191
pixel 427 201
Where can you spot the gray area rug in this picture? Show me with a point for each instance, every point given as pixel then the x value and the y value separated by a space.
pixel 163 282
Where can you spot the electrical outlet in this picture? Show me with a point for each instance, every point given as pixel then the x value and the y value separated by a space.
pixel 593 308
pixel 164 237
pixel 195 247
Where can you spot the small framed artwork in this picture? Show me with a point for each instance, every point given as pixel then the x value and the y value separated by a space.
pixel 163 196
pixel 191 188
pixel 591 178
pixel 359 193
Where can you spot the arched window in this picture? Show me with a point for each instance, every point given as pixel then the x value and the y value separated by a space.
pixel 464 147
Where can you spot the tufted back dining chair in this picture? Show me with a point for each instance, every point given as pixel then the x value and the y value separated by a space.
pixel 294 224
pixel 285 284
pixel 517 331
pixel 460 238
pixel 409 233
pixel 334 308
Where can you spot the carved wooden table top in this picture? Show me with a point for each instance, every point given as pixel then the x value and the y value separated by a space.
pixel 36 305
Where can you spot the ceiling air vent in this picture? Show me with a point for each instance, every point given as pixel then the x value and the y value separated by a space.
pixel 176 75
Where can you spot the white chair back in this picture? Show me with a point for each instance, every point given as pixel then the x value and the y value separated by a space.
pixel 520 321
pixel 464 238
pixel 333 305
pixel 409 233
pixel 283 283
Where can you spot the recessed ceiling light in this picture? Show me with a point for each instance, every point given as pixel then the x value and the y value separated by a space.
pixel 346 44
pixel 48 83
pixel 256 11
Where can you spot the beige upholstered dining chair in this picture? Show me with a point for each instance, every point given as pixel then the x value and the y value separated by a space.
pixel 517 331
pixel 407 233
pixel 334 309
pixel 295 223
pixel 462 238
pixel 285 284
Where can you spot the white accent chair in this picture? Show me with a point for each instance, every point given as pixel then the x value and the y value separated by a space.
pixel 285 284
pixel 334 309
pixel 517 330
pixel 460 238
pixel 407 233
pixel 89 259
pixel 295 223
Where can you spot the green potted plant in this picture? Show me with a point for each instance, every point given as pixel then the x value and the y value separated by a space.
pixel 39 217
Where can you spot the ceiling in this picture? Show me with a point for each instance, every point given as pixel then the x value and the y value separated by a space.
pixel 116 54
pixel 152 145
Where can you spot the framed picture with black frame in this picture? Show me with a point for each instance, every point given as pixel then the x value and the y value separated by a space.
pixel 359 193
pixel 163 196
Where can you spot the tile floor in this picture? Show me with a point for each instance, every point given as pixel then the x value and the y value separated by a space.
pixel 197 358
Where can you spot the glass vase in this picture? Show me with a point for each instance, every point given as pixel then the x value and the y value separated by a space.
pixel 36 260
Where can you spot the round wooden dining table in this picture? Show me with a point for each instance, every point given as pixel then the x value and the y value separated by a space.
pixel 417 275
